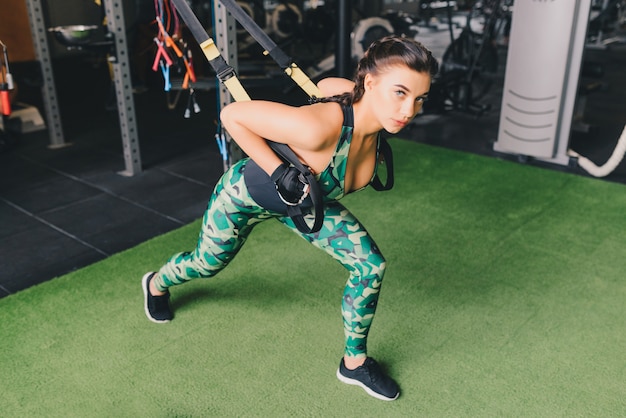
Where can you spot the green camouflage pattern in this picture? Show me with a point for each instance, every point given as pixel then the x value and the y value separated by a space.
pixel 232 214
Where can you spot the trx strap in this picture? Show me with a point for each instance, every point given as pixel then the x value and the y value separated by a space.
pixel 385 151
pixel 283 60
pixel 227 75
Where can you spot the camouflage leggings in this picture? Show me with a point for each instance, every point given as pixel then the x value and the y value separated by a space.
pixel 228 221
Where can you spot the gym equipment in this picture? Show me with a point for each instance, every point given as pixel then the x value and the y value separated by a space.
pixel 30 120
pixel 119 65
pixel 429 12
pixel 6 82
pixel 285 19
pixel 605 19
pixel 173 56
pixel 367 31
pixel 611 164
pixel 363 34
pixel 541 79
pixel 469 64
pixel 284 62
pixel 74 35
pixel 48 91
pixel 15 118
pixel 227 75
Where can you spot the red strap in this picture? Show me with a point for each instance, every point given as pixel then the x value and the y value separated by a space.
pixel 6 102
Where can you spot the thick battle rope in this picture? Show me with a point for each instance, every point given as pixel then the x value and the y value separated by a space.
pixel 611 164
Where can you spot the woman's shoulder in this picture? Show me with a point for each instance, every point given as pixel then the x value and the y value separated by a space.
pixel 328 116
pixel 328 111
pixel 332 86
pixel 318 126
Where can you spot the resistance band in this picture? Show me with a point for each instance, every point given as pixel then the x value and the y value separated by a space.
pixel 6 81
pixel 227 75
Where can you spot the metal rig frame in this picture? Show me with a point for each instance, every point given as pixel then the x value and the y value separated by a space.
pixel 121 74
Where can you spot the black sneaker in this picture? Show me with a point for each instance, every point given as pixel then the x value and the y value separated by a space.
pixel 370 377
pixel 157 307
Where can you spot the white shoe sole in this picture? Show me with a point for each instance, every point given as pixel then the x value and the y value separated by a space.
pixel 369 391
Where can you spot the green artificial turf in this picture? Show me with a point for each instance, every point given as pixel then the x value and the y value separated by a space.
pixel 505 295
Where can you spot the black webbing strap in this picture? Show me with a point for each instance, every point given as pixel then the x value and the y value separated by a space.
pixel 224 71
pixel 284 61
pixel 228 77
pixel 387 158
pixel 295 212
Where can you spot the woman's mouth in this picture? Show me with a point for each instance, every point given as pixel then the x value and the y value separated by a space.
pixel 400 123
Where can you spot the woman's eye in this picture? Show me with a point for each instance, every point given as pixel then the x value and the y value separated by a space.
pixel 399 93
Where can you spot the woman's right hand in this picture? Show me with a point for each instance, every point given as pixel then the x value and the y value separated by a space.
pixel 291 185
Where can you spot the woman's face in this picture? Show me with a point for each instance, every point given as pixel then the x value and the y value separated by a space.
pixel 397 94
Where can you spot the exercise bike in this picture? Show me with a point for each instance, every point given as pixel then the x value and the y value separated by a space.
pixel 470 63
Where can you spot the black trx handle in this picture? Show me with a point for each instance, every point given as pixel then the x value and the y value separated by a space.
pixel 295 212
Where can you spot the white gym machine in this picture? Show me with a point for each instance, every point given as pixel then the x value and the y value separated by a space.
pixel 541 80
pixel 543 66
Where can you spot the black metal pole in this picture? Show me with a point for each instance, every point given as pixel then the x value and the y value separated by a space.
pixel 342 48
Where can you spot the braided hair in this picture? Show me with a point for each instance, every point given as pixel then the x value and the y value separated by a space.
pixel 388 51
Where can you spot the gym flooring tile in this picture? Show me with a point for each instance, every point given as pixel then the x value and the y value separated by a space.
pixel 35 252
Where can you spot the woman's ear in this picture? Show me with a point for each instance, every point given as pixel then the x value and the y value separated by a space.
pixel 368 82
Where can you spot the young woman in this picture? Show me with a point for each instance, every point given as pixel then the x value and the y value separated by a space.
pixel 338 139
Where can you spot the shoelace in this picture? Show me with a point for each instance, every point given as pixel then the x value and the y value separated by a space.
pixel 372 370
pixel 160 302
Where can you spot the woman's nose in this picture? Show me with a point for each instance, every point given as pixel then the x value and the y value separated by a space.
pixel 409 109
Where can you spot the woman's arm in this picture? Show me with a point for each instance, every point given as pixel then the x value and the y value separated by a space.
pixel 309 130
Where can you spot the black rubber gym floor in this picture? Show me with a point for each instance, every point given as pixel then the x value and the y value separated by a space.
pixel 62 209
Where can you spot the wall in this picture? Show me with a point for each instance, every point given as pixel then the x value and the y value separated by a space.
pixel 15 30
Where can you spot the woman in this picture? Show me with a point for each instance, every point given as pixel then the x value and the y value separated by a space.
pixel 338 139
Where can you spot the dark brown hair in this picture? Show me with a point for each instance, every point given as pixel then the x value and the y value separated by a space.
pixel 388 51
